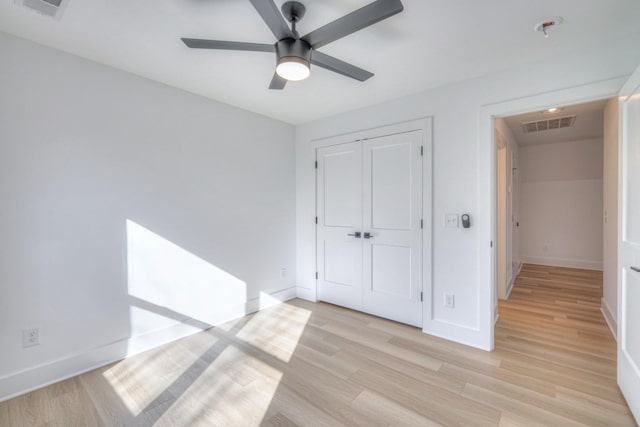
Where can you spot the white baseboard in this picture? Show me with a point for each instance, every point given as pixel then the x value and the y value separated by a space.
pixel 513 281
pixel 306 294
pixel 563 262
pixel 609 318
pixel 21 382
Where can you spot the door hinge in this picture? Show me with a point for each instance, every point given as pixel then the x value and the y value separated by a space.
pixel 316 275
pixel 421 224
pixel 491 244
pixel 316 220
pixel 422 150
pixel 421 296
pixel 316 164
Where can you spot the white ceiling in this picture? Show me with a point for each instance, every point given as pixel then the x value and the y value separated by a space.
pixel 589 124
pixel 431 43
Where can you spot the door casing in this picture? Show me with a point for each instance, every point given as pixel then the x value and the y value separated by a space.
pixel 487 215
pixel 424 125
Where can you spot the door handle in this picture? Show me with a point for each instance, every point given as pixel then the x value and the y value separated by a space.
pixel 356 234
pixel 368 235
pixel 636 269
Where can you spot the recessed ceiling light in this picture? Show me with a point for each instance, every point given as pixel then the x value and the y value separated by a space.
pixel 553 110
pixel 544 26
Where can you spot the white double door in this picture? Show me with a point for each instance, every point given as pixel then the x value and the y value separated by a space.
pixel 369 232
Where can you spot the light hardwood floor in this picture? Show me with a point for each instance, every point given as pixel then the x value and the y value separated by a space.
pixel 310 364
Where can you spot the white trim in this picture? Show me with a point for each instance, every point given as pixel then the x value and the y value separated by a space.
pixel 513 280
pixel 24 381
pixel 563 262
pixel 608 317
pixel 486 182
pixel 631 85
pixel 306 293
pixel 423 124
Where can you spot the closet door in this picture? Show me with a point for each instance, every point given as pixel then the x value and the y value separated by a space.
pixel 392 215
pixel 339 210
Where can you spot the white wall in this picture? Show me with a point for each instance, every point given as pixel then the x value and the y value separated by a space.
pixel 131 213
pixel 610 224
pixel 513 201
pixel 456 120
pixel 561 204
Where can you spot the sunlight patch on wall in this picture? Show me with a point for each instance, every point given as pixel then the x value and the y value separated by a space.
pixel 164 275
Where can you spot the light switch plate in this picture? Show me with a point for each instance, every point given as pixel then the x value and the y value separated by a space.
pixel 451 220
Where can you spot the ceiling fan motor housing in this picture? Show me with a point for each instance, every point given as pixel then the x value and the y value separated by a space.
pixel 296 50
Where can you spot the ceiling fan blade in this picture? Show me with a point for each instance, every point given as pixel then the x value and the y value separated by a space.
pixel 219 44
pixel 355 21
pixel 273 18
pixel 277 82
pixel 338 66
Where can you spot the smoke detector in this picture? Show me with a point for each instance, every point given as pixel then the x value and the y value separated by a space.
pixel 546 25
pixel 51 8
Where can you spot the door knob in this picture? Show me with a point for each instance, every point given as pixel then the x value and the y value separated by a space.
pixel 356 234
pixel 368 235
pixel 637 269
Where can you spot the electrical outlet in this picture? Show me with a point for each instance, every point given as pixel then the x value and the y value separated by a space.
pixel 30 337
pixel 449 300
pixel 283 273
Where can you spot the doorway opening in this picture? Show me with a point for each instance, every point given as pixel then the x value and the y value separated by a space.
pixel 556 208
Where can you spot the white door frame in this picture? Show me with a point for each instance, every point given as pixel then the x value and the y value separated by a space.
pixel 487 181
pixel 424 125
pixel 501 220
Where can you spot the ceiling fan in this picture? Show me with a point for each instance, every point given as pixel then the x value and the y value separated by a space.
pixel 295 54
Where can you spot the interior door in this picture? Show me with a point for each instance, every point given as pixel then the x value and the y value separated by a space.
pixel 392 235
pixel 629 246
pixel 339 208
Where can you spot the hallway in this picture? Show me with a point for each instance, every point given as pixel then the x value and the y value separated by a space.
pixel 551 329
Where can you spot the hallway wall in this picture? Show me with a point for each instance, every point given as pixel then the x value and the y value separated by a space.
pixel 513 208
pixel 610 223
pixel 561 204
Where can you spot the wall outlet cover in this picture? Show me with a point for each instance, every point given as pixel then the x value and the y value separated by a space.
pixel 30 337
pixel 449 300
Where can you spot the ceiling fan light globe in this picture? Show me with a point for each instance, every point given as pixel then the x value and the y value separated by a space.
pixel 293 69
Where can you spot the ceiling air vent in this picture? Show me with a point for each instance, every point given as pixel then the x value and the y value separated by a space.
pixel 548 124
pixel 52 8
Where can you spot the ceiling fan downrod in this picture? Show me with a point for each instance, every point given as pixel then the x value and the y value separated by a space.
pixel 293 11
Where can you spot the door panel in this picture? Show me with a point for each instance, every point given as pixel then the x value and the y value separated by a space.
pixel 391 186
pixel 629 246
pixel 342 186
pixel 632 319
pixel 391 270
pixel 339 204
pixel 339 261
pixel 392 213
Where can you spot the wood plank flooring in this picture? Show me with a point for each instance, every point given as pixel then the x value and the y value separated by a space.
pixel 309 364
